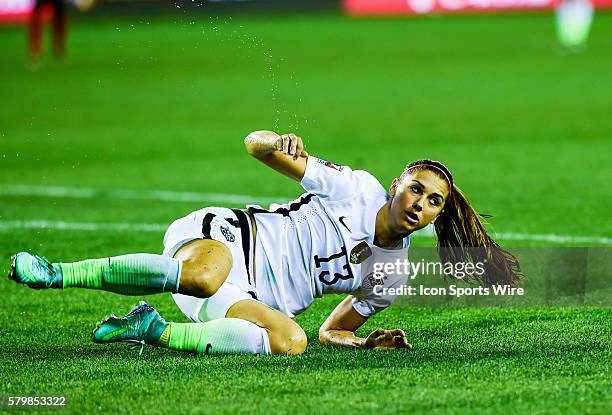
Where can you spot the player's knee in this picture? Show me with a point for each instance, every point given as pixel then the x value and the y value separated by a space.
pixel 204 288
pixel 292 341
pixel 197 280
pixel 205 266
pixel 202 278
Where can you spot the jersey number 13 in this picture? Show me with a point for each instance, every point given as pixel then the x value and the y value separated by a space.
pixel 324 276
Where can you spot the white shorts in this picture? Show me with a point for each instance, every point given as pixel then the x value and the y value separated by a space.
pixel 232 228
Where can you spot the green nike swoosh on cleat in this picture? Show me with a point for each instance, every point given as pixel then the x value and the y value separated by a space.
pixel 32 278
pixel 114 333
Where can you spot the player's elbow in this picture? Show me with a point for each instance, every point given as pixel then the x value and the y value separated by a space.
pixel 249 144
pixel 323 336
pixel 253 143
pixel 260 143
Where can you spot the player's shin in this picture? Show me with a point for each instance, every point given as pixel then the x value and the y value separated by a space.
pixel 134 274
pixel 222 336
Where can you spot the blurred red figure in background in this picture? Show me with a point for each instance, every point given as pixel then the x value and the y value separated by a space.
pixel 60 27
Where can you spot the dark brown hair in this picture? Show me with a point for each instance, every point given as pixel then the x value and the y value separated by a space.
pixel 462 236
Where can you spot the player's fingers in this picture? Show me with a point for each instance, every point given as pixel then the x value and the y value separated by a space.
pixel 293 146
pixel 279 143
pixel 286 143
pixel 407 344
pixel 402 343
pixel 304 154
pixel 299 148
pixel 398 332
pixel 399 342
pixel 376 335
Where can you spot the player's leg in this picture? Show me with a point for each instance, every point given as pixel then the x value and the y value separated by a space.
pixel 231 321
pixel 228 322
pixel 250 328
pixel 205 264
pixel 234 304
pixel 35 31
pixel 133 274
pixel 285 335
pixel 573 22
pixel 144 325
pixel 60 26
pixel 198 269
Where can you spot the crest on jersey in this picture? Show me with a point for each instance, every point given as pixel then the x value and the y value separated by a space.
pixel 360 253
pixel 370 281
pixel 331 165
pixel 229 236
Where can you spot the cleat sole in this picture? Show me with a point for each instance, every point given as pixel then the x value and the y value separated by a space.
pixel 13 272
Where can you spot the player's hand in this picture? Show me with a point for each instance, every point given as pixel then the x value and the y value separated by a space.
pixel 291 145
pixel 387 339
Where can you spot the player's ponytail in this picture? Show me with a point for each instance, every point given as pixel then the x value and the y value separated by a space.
pixel 463 238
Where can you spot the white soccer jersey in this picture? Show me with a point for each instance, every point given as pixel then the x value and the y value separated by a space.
pixel 304 247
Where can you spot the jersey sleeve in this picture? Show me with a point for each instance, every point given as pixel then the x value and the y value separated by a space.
pixel 377 293
pixel 367 303
pixel 335 182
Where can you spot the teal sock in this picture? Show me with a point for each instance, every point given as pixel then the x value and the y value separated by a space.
pixel 134 274
pixel 221 336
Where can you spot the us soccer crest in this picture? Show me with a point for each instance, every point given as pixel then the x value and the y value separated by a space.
pixel 360 253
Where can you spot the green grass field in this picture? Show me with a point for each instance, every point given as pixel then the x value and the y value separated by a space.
pixel 147 103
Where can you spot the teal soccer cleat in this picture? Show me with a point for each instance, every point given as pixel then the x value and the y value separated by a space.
pixel 35 271
pixel 141 325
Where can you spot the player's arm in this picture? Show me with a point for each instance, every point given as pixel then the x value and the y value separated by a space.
pixel 340 327
pixel 284 153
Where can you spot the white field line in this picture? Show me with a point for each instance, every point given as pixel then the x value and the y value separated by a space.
pixel 10 225
pixel 127 194
pixel 555 238
pixel 159 228
pixel 509 236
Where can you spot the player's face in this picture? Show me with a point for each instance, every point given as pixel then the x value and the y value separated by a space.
pixel 417 200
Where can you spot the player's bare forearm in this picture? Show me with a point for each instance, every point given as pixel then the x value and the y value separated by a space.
pixel 342 338
pixel 284 153
pixel 340 327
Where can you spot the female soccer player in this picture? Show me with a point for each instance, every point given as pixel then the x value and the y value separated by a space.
pixel 241 275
